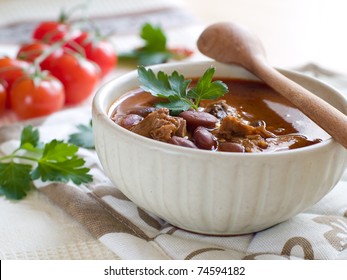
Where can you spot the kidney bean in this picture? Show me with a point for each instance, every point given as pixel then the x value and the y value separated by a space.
pixel 141 111
pixel 180 141
pixel 195 119
pixel 204 139
pixel 231 147
pixel 127 121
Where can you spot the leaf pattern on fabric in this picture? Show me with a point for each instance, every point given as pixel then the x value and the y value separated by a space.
pixel 337 236
pixel 287 250
pixel 301 242
pixel 201 251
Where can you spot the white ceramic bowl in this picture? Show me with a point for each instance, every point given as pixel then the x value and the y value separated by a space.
pixel 214 192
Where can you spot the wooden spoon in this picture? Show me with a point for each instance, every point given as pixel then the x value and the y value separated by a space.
pixel 232 43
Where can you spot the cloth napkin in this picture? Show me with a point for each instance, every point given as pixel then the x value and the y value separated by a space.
pixel 132 233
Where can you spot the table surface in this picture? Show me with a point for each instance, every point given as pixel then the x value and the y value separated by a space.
pixel 293 32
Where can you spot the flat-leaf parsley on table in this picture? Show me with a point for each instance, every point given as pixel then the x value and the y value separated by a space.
pixel 155 49
pixel 54 161
pixel 83 137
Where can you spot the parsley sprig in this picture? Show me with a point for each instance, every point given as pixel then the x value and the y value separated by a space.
pixel 154 49
pixel 175 88
pixel 54 161
pixel 83 137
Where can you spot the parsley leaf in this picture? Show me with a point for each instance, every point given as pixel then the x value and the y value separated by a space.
pixel 174 88
pixel 57 151
pixel 150 58
pixel 53 161
pixel 163 85
pixel 175 107
pixel 59 163
pixel 30 140
pixel 154 50
pixel 29 136
pixel 84 137
pixel 62 171
pixel 15 180
pixel 206 89
pixel 154 37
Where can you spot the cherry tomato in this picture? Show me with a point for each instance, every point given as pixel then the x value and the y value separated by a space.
pixel 2 98
pixel 97 50
pixel 50 31
pixel 31 51
pixel 78 75
pixel 11 70
pixel 180 53
pixel 36 97
pixel 54 31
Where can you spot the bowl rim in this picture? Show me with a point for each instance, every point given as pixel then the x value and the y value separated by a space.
pixel 104 90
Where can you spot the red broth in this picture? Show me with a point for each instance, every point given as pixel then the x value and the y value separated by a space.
pixel 257 119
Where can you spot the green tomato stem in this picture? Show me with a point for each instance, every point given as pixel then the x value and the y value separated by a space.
pixel 47 53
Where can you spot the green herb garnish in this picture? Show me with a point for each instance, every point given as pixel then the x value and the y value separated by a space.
pixel 154 50
pixel 174 88
pixel 54 161
pixel 84 137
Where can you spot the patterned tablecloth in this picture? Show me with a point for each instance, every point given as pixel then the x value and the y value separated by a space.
pixel 96 221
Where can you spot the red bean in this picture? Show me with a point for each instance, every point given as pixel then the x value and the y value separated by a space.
pixel 195 119
pixel 141 111
pixel 204 139
pixel 180 141
pixel 231 147
pixel 127 121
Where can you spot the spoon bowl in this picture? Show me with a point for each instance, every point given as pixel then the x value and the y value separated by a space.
pixel 231 43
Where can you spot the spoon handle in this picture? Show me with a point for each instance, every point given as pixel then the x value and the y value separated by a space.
pixel 334 122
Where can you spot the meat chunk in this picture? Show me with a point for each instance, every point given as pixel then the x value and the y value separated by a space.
pixel 290 141
pixel 159 125
pixel 251 143
pixel 220 109
pixel 232 126
pixel 253 139
pixel 182 127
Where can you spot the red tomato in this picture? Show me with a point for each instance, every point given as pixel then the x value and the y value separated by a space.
pixel 31 51
pixel 50 31
pixel 10 70
pixel 78 75
pixel 180 53
pixel 36 97
pixel 2 98
pixel 53 31
pixel 97 50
